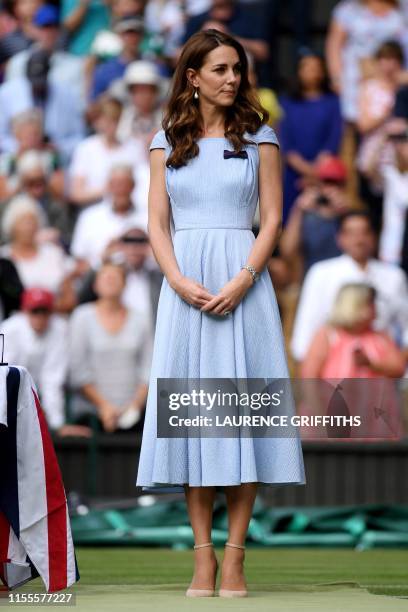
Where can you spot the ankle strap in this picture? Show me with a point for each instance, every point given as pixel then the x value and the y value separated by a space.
pixel 202 545
pixel 234 545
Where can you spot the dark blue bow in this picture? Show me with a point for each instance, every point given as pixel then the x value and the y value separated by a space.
pixel 231 154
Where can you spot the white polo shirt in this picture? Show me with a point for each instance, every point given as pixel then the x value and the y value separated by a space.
pixel 98 225
pixel 395 208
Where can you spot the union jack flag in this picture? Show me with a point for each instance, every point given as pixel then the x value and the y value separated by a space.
pixel 35 530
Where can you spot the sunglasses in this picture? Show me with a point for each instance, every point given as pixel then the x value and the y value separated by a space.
pixel 40 310
pixel 333 182
pixel 400 137
pixel 39 182
pixel 134 240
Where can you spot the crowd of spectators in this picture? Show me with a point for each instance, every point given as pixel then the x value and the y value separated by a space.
pixel 83 85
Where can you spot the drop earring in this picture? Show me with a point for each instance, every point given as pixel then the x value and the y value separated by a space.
pixel 196 94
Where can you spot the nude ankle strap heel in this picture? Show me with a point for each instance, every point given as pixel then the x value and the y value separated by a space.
pixel 229 592
pixel 203 545
pixel 201 592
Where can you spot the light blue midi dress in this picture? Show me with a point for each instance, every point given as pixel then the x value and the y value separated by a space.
pixel 213 202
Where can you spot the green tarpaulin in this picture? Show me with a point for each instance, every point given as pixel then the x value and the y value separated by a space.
pixel 166 524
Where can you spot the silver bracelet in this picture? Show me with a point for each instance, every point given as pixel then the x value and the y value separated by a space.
pixel 254 273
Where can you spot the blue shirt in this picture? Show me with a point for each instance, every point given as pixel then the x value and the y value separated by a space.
pixel 308 127
pixel 106 73
pixel 318 236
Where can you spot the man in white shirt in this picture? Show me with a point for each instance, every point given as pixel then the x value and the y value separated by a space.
pixel 99 224
pixel 395 178
pixel 357 240
pixel 395 210
pixel 37 339
pixel 96 155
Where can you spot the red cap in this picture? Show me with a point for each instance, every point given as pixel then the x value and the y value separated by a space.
pixel 332 169
pixel 37 298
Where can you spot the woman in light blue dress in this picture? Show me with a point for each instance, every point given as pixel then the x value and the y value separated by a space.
pixel 216 318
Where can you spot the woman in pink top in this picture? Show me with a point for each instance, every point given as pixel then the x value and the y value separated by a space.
pixel 348 348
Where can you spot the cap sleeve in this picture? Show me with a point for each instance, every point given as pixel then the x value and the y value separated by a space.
pixel 159 141
pixel 266 134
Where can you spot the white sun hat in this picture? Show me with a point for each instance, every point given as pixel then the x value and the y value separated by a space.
pixel 142 72
pixel 106 44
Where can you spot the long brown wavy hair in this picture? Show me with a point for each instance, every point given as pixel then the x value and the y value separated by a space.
pixel 182 121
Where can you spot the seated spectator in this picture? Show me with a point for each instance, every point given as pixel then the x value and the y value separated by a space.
pixel 376 100
pixel 95 156
pixel 348 346
pixel 143 279
pixel 103 222
pixel 37 339
pixel 141 117
pixel 43 265
pixel 393 175
pixel 131 31
pixel 110 354
pixel 106 46
pixel 27 128
pixel 33 180
pixel 358 365
pixel 235 19
pixel 311 230
pixel 311 127
pixel 64 67
pixel 82 21
pixel 63 121
pixel 357 239
pixel 23 34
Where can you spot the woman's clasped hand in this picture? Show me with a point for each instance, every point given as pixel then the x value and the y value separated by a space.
pixel 228 298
